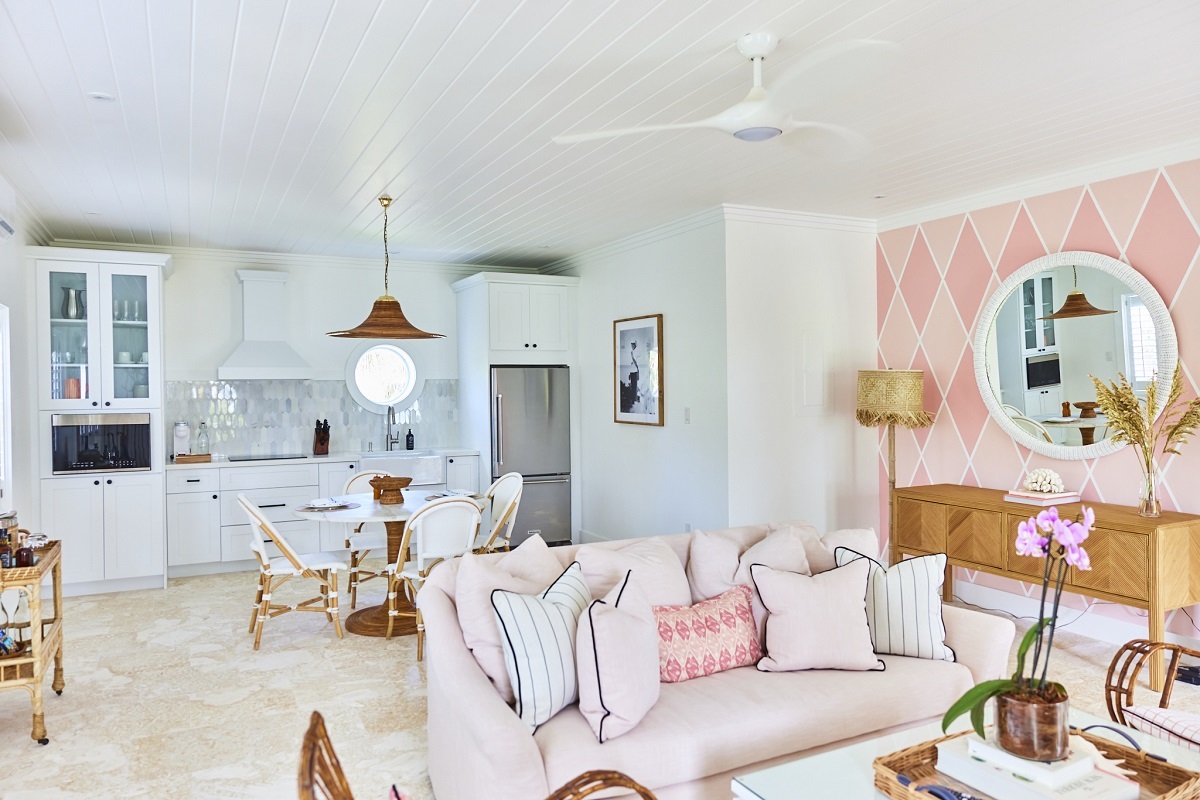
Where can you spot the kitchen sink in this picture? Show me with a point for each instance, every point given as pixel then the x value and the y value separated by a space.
pixel 425 467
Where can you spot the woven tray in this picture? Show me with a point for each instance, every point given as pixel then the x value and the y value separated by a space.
pixel 1159 780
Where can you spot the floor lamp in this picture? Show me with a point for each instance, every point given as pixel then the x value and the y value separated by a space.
pixel 892 397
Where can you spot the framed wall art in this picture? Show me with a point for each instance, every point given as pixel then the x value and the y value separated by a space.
pixel 638 364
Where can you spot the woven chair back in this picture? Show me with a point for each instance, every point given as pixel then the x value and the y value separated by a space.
pixel 505 494
pixel 361 482
pixel 321 776
pixel 443 529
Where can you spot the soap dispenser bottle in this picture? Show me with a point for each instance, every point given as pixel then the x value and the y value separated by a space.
pixel 410 441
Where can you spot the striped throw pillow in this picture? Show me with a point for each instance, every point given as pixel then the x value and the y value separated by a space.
pixel 538 636
pixel 904 605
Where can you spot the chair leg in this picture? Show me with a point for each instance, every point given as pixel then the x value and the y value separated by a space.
pixel 257 602
pixel 355 560
pixel 333 600
pixel 325 594
pixel 420 636
pixel 264 609
pixel 391 605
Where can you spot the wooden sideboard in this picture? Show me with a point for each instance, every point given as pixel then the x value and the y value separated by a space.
pixel 1150 563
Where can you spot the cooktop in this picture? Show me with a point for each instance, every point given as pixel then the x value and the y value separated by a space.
pixel 281 457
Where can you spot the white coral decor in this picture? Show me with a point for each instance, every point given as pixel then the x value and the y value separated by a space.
pixel 1043 480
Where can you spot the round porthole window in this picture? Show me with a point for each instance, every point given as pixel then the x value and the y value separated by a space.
pixel 381 376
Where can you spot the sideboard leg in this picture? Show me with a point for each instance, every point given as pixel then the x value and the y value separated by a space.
pixel 948 584
pixel 1157 634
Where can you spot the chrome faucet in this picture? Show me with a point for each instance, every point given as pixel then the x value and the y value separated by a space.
pixel 391 440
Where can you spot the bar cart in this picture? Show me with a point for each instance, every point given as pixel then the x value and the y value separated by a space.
pixel 43 635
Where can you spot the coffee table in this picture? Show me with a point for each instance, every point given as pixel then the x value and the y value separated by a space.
pixel 848 772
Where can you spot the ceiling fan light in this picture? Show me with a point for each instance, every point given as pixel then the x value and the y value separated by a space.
pixel 757 134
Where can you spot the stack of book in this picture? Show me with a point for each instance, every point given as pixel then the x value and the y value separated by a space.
pixel 1042 498
pixel 983 766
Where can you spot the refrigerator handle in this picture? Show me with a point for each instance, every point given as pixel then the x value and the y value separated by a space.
pixel 529 481
pixel 498 432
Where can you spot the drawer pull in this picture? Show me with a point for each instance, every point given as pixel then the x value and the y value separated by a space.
pixel 274 505
pixel 193 480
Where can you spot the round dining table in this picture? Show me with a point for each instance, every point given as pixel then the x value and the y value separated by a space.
pixel 372 621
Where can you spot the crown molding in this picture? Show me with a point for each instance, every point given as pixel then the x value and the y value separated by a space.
pixel 36 232
pixel 1066 179
pixel 254 258
pixel 798 219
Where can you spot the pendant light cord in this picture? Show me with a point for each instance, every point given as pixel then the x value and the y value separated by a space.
pixel 385 202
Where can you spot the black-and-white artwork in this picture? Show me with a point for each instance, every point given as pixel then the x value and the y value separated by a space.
pixel 637 351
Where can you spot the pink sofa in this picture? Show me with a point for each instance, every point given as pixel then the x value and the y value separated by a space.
pixel 701 732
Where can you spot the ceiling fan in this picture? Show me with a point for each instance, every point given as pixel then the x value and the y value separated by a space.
pixel 764 113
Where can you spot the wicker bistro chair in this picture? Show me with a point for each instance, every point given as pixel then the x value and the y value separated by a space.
pixel 1178 727
pixel 274 572
pixel 360 543
pixel 590 783
pixel 505 497
pixel 441 530
pixel 321 776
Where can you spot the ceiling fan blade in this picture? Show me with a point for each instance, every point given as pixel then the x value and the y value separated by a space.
pixel 571 138
pixel 826 140
pixel 837 70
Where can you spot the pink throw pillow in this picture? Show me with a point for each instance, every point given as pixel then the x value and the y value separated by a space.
pixel 527 570
pixel 657 570
pixel 617 652
pixel 817 621
pixel 709 637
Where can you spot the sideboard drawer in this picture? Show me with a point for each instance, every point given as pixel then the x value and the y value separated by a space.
pixel 1120 564
pixel 976 536
pixel 921 526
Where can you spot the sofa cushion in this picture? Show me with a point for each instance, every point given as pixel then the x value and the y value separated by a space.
pixel 617 651
pixel 1177 727
pixel 743 716
pixel 528 569
pixel 711 636
pixel 820 549
pixel 538 632
pixel 816 621
pixel 904 605
pixel 656 568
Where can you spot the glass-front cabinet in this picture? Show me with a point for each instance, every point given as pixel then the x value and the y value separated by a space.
pixel 100 335
pixel 1037 301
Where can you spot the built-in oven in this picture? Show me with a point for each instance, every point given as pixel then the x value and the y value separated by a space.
pixel 99 443
pixel 1042 371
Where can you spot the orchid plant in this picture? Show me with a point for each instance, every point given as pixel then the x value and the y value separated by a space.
pixel 1060 543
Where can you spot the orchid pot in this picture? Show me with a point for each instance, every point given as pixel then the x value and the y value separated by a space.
pixel 1031 709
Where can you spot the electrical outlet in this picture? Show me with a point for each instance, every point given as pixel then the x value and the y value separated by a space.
pixel 687 419
pixel 1108 356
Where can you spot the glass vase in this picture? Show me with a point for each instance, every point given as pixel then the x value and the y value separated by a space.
pixel 1149 504
pixel 1032 729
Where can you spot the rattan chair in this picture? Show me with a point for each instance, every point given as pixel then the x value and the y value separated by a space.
pixel 504 495
pixel 441 530
pixel 590 783
pixel 274 572
pixel 321 776
pixel 360 543
pixel 1178 727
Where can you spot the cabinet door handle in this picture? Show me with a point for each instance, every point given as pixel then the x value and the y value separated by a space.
pixel 193 480
pixel 273 505
pixel 95 403
pixel 107 403
pixel 214 497
pixel 452 461
pixel 535 345
pixel 526 344
pixel 97 483
pixel 109 481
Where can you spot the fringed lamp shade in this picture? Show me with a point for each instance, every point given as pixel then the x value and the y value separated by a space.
pixel 892 397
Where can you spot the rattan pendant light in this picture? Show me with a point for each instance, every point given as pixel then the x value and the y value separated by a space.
pixel 386 320
pixel 1076 304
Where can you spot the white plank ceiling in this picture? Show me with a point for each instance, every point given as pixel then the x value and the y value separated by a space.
pixel 274 125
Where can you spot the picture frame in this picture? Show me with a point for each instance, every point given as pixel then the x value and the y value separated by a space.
pixel 638 392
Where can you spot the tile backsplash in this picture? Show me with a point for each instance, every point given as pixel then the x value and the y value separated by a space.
pixel 278 416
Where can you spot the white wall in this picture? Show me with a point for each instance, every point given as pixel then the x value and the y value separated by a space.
pixel 639 480
pixel 800 324
pixel 17 292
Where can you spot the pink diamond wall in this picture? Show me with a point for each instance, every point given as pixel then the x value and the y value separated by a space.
pixel 933 280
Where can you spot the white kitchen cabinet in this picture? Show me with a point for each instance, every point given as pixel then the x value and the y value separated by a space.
pixel 134 528
pixel 1044 402
pixel 304 537
pixel 193 528
pixel 528 317
pixel 99 334
pixel 462 473
pixel 73 512
pixel 111 525
pixel 1037 301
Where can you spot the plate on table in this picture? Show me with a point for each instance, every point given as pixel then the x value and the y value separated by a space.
pixel 327 504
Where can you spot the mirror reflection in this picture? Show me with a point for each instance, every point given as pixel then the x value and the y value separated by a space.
pixel 1047 340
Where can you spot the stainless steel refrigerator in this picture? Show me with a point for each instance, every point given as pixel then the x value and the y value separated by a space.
pixel 531 434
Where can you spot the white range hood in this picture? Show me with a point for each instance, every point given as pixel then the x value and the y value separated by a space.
pixel 263 353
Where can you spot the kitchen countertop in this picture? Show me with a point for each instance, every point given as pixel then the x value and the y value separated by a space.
pixel 219 461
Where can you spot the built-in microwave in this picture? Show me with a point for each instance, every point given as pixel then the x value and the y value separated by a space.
pixel 99 443
pixel 1042 371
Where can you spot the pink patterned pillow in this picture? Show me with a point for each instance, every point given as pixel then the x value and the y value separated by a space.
pixel 711 636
